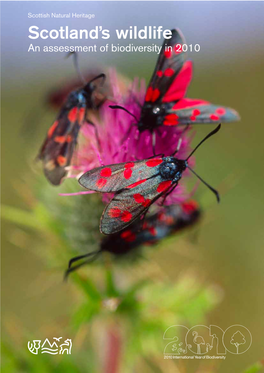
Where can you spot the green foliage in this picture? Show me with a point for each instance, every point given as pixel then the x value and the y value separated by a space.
pixel 109 295
pixel 255 368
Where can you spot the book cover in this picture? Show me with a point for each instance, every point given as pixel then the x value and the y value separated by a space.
pixel 132 181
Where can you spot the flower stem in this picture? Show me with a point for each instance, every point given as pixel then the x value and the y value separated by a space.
pixel 113 351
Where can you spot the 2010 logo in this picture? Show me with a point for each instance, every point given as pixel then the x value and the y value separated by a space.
pixel 53 348
pixel 203 342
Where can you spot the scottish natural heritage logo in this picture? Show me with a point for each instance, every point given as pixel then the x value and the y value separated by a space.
pixel 203 342
pixel 55 347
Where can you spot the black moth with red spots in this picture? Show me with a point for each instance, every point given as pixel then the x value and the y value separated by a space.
pixel 57 149
pixel 137 185
pixel 168 220
pixel 165 102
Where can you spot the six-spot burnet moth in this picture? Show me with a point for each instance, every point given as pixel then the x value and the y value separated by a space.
pixel 165 103
pixel 168 220
pixel 137 185
pixel 57 149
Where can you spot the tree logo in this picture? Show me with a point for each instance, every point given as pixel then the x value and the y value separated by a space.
pixel 201 342
pixel 237 339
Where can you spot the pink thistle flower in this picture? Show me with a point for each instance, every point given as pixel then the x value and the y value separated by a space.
pixel 120 140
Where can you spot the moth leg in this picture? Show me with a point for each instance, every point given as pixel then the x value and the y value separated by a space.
pixel 158 130
pixel 180 139
pixel 156 155
pixel 167 193
pixel 154 142
pixel 142 221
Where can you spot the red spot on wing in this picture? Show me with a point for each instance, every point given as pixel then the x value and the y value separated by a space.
pixel 114 212
pixel 147 202
pixel 127 173
pixel 189 206
pixel 152 231
pixel 106 172
pixel 155 95
pixel 159 73
pixel 81 114
pixel 129 165
pixel 169 72
pixel 214 117
pixel 128 236
pixel 196 112
pixel 170 120
pixel 126 216
pixel 154 162
pixel 145 225
pixel 136 184
pixel 220 111
pixel 164 185
pixel 149 94
pixel 69 138
pixel 52 128
pixel 168 53
pixel 73 114
pixel 60 139
pixel 169 220
pixel 61 160
pixel 139 198
pixel 101 182
pixel 161 216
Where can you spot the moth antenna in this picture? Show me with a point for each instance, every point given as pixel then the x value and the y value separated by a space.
pixel 100 76
pixel 205 183
pixel 122 108
pixel 70 269
pixel 76 258
pixel 206 137
pixel 76 65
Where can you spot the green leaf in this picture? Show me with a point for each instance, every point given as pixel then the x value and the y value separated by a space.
pixel 88 287
pixel 85 313
pixel 111 290
pixel 21 217
pixel 254 368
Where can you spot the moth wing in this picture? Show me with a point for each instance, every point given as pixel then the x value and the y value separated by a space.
pixel 115 177
pixel 192 111
pixel 169 65
pixel 131 203
pixel 57 150
pixel 180 84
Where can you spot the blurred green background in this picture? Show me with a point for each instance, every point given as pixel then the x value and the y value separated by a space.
pixel 227 251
